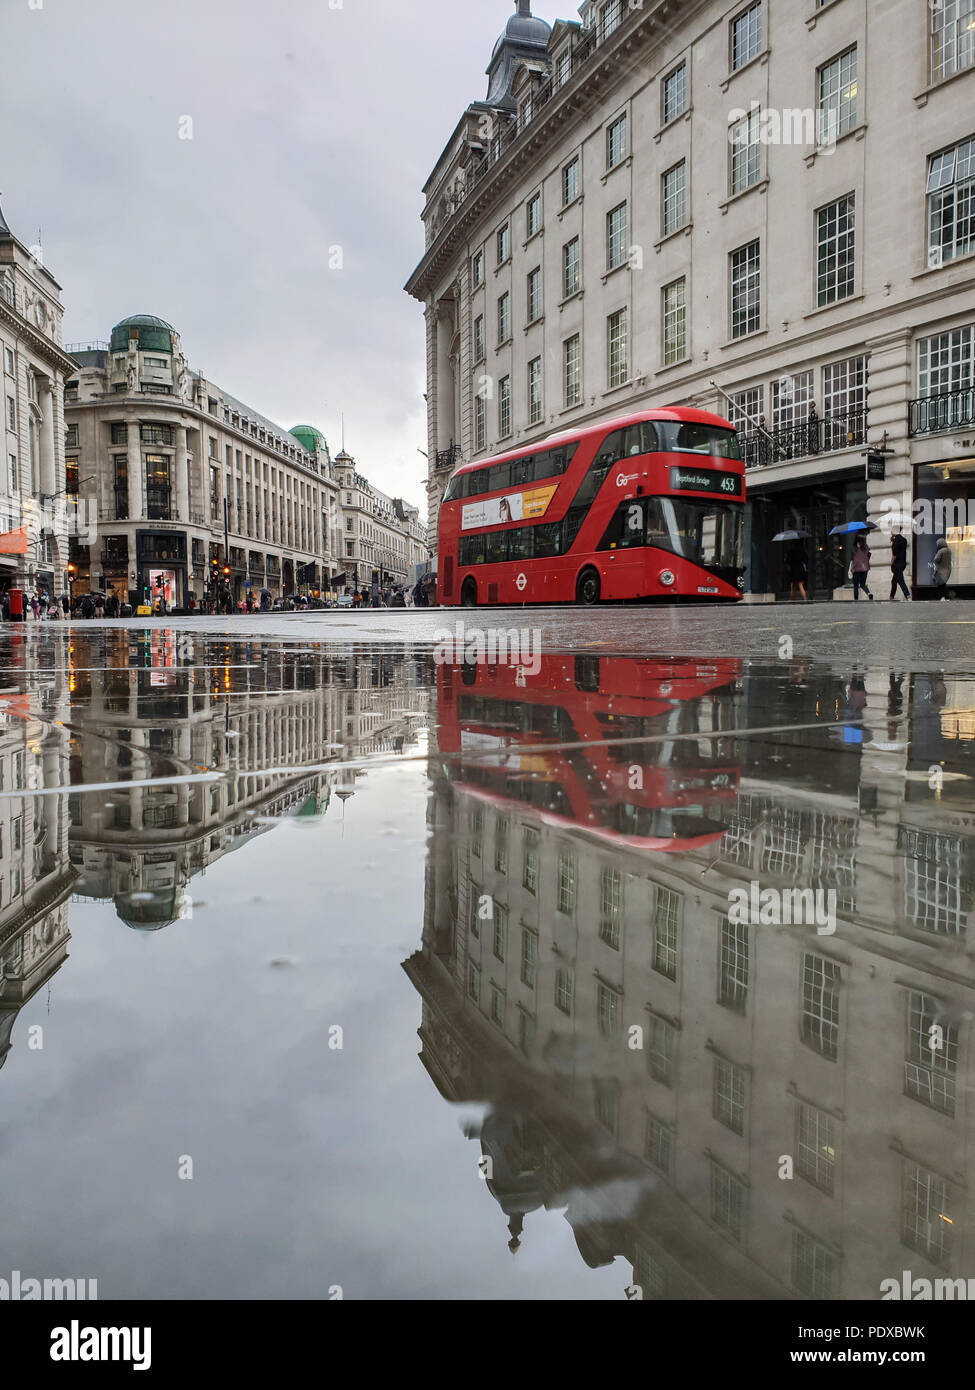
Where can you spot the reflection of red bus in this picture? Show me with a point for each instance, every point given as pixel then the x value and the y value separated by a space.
pixel 519 741
pixel 650 506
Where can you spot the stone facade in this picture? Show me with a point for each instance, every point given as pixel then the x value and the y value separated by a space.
pixel 752 208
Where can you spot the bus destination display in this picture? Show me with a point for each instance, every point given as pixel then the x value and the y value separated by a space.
pixel 704 480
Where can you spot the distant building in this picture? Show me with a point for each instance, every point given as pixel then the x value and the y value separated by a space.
pixel 189 488
pixel 734 206
pixel 33 370
pixel 383 537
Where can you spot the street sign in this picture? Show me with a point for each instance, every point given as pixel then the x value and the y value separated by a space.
pixel 876 468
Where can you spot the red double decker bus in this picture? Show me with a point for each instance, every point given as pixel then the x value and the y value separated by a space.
pixel 650 506
pixel 608 745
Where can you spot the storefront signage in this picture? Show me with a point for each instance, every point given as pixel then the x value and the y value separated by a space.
pixel 876 468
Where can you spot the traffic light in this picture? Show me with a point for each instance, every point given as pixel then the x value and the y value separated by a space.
pixel 226 571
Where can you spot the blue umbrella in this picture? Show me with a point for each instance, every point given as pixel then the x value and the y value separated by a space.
pixel 853 526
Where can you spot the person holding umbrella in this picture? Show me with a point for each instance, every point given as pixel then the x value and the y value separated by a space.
pixel 860 567
pixel 797 571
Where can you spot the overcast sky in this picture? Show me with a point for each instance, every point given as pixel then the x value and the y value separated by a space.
pixel 312 127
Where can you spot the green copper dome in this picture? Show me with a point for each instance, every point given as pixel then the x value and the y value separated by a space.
pixel 155 335
pixel 312 439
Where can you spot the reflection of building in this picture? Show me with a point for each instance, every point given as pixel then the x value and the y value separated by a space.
pixel 192 488
pixel 256 718
pixel 32 373
pixel 592 249
pixel 756 1042
pixel 35 873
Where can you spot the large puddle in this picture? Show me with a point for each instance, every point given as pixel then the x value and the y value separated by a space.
pixel 330 968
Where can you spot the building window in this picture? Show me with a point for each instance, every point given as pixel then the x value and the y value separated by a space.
pixel 673 199
pixel 661 1049
pixel 927 1213
pixel 478 344
pixel 617 247
pixel 529 877
pixel 504 244
pixel 610 18
pixel 497 1006
pixel 571 181
pixel 929 1072
pixel 500 931
pixel 14 474
pixel 121 463
pixel 533 215
pixel 480 427
pixel 815 1269
pixel 952 37
pixel 733 965
pixel 473 981
pixel 564 990
pixel 951 203
pixel 11 414
pixel 820 1021
pixel 71 436
pixel 844 394
pixel 746 290
pixel 529 957
pixel 535 294
pixel 616 142
pixel 675 94
pixel 838 89
pixel 501 844
pixel 658 1146
pixel 730 1094
pixel 675 322
pixel 504 318
pixel 504 407
pixel 526 1031
pixel 572 371
pixel 946 362
pixel 163 434
pixel 746 152
pixel 815 1146
pixel 527 111
pixel 836 246
pixel 728 1197
pixel 791 398
pixel 477 269
pixel 158 488
pixel 666 929
pixel 607 1010
pixel 618 373
pixel 535 405
pixel 610 906
pixel 746 36
pixel 571 268
pixel 567 883
pixel 563 68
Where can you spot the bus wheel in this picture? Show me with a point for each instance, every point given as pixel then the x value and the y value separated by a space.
pixel 587 589
pixel 468 594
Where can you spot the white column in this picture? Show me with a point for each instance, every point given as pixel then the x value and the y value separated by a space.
pixel 134 464
pixel 182 477
pixel 47 452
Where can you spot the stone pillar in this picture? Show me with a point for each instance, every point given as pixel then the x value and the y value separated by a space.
pixel 182 476
pixel 48 457
pixel 890 380
pixel 445 377
pixel 137 508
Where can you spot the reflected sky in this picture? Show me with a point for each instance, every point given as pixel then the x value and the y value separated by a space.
pixel 428 974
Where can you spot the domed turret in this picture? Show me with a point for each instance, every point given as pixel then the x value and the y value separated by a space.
pixel 311 439
pixel 154 335
pixel 525 36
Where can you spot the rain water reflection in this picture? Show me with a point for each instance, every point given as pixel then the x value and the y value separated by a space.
pixel 646 1087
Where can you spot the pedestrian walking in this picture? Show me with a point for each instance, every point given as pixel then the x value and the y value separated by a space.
pixel 99 607
pixel 860 568
pixel 941 568
pixel 5 605
pixel 797 571
pixel 898 564
pixel 87 606
pixel 112 606
pixel 35 606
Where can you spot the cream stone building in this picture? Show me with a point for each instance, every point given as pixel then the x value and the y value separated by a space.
pixel 738 1109
pixel 382 539
pixel 182 486
pixel 33 371
pixel 761 208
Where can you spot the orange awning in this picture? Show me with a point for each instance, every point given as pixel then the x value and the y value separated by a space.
pixel 13 542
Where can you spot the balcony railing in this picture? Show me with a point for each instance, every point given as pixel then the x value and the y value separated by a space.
pixel 449 458
pixel 830 435
pixel 950 411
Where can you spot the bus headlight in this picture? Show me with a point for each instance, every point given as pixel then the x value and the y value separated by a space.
pixel 668 578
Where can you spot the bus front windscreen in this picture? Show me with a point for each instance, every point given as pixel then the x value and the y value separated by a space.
pixel 683 437
pixel 711 534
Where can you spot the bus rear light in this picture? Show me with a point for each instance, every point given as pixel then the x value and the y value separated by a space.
pixel 667 578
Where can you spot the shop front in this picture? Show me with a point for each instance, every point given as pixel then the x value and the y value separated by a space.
pixel 944 509
pixel 160 569
pixel 811 510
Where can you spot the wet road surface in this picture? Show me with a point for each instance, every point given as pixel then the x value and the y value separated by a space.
pixel 639 962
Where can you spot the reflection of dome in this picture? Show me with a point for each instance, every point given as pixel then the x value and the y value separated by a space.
pixel 313 440
pixel 155 335
pixel 149 911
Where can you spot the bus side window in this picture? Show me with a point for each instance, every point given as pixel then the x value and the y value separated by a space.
pixel 477 483
pixel 633 529
pixel 522 471
pixel 640 439
pixel 520 543
pixel 496 546
pixel 548 539
pixel 611 449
